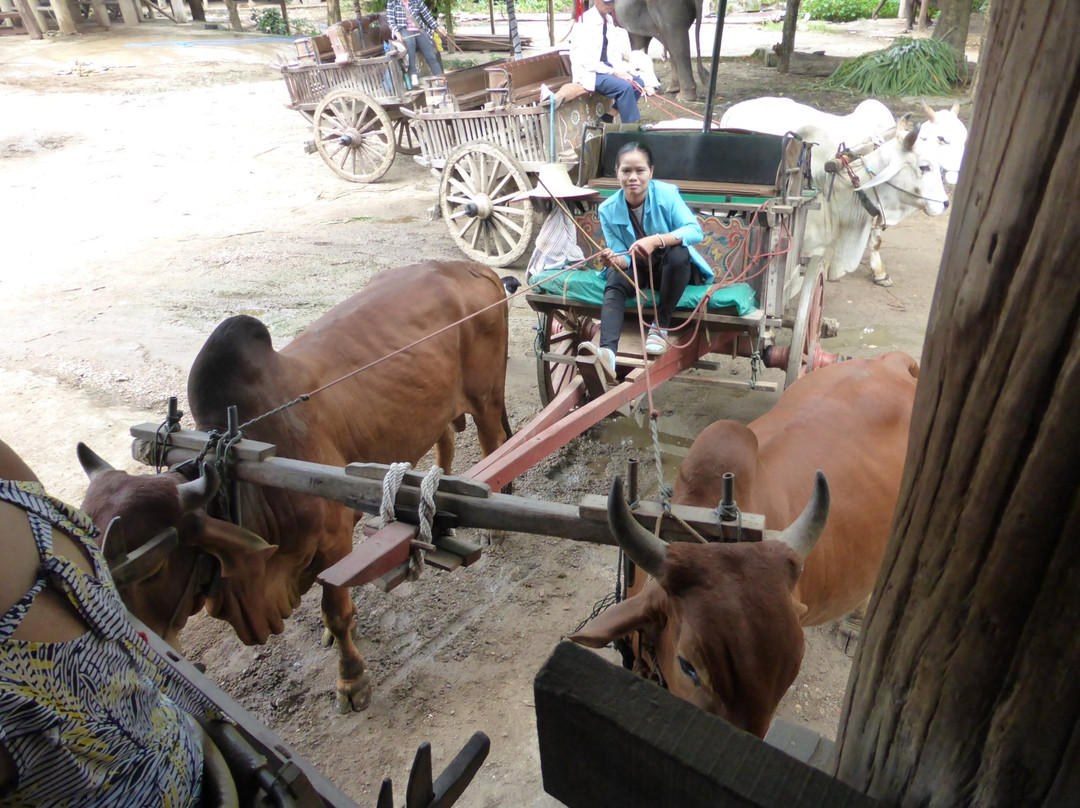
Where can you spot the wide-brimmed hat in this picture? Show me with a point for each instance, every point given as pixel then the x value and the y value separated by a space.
pixel 553 180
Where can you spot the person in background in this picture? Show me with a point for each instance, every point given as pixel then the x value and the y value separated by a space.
pixel 649 220
pixel 596 43
pixel 88 716
pixel 413 25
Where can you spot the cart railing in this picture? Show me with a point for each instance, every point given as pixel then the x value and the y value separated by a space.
pixel 381 77
pixel 522 132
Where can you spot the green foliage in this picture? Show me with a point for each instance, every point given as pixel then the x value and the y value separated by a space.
pixel 907 67
pixel 520 6
pixel 456 63
pixel 839 10
pixel 269 21
pixel 890 10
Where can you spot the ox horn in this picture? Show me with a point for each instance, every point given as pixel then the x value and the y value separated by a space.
pixel 911 137
pixel 198 493
pixel 802 534
pixel 91 462
pixel 639 544
pixel 955 108
pixel 928 110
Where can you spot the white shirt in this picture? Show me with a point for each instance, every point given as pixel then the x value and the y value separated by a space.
pixel 586 41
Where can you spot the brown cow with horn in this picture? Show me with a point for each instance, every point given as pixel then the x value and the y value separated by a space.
pixel 175 558
pixel 722 623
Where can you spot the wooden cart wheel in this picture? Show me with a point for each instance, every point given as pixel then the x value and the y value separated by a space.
pixel 405 139
pixel 478 183
pixel 807 328
pixel 559 335
pixel 354 135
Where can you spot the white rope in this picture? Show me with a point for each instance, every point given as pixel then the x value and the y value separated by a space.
pixel 665 490
pixel 390 485
pixel 428 487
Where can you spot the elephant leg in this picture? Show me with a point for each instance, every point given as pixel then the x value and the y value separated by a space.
pixel 678 43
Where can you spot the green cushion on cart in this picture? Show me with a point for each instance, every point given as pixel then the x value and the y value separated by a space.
pixel 587 286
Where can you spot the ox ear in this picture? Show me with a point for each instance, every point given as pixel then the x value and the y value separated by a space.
pixel 621 619
pixel 802 534
pixel 242 553
pixel 904 124
pixel 91 462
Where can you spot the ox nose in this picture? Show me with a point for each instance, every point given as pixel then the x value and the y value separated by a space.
pixel 946 204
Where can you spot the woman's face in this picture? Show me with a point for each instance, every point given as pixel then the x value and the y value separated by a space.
pixel 634 173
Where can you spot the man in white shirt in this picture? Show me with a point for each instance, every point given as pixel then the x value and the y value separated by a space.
pixel 597 43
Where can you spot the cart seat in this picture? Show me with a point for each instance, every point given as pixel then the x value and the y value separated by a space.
pixel 587 286
pixel 744 163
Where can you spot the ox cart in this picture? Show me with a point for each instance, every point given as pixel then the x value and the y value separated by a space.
pixel 353 92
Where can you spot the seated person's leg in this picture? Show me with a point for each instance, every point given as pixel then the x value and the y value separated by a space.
pixel 431 56
pixel 617 290
pixel 676 270
pixel 622 93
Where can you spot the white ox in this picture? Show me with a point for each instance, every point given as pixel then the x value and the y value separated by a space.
pixel 894 181
pixel 939 141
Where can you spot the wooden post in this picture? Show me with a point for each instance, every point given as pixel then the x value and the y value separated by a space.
pixel 551 22
pixel 178 10
pixel 64 20
pixel 284 13
pixel 491 15
pixel 964 689
pixel 448 15
pixel 131 12
pixel 101 14
pixel 333 12
pixel 28 17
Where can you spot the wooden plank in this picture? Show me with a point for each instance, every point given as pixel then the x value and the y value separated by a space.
pixel 733 384
pixel 468 552
pixel 590 374
pixel 443 560
pixel 30 20
pixel 699 187
pixel 192 439
pixel 370 559
pixel 594 509
pixel 449 483
pixel 610 739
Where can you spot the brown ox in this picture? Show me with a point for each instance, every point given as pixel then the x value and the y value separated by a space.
pixel 394 411
pixel 722 622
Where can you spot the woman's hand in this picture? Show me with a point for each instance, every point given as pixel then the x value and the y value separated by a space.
pixel 644 247
pixel 607 259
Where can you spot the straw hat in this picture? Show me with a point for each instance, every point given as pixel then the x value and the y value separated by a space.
pixel 553 180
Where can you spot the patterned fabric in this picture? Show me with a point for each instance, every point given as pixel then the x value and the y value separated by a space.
pixel 93 721
pixel 556 244
pixel 399 20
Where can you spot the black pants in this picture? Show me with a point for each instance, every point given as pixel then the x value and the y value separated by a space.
pixel 671 266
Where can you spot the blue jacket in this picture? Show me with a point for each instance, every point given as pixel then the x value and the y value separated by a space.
pixel 665 212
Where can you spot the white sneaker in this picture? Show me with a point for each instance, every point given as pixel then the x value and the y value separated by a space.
pixel 415 81
pixel 656 343
pixel 606 358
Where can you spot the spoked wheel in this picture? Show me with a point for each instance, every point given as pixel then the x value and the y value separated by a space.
pixel 405 139
pixel 354 135
pixel 807 328
pixel 558 338
pixel 479 182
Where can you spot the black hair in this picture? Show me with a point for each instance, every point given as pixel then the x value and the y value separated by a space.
pixel 633 146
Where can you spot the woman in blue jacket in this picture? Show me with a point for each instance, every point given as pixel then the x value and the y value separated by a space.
pixel 649 220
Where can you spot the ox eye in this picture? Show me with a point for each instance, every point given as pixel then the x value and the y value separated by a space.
pixel 925 169
pixel 689 670
pixel 942 141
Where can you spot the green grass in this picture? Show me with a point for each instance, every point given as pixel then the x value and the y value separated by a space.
pixel 907 67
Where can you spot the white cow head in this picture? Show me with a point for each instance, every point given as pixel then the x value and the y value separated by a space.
pixel 944 136
pixel 641 67
pixel 915 177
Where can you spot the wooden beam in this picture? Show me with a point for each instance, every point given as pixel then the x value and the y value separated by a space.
pixel 29 19
pixel 497 512
pixel 610 739
pixel 373 558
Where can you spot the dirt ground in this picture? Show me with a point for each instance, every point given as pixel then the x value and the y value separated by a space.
pixel 154 184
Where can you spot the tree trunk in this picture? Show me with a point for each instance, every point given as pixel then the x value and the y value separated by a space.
pixel 787 45
pixel 964 689
pixel 234 15
pixel 333 12
pixel 952 23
